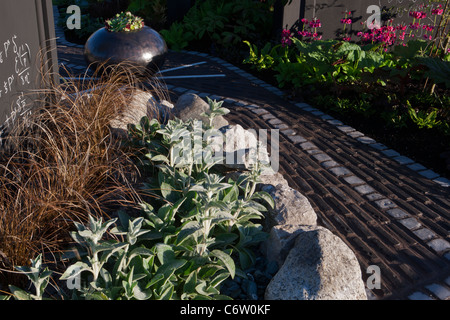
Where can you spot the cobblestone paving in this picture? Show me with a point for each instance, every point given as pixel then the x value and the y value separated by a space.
pixel 393 212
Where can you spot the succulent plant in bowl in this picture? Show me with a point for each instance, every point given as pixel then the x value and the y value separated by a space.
pixel 124 22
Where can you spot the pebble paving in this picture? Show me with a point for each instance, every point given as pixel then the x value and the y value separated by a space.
pixel 391 211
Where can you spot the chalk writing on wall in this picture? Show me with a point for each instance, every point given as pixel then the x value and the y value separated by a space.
pixel 16 57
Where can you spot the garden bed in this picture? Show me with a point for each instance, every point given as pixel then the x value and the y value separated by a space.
pixel 146 224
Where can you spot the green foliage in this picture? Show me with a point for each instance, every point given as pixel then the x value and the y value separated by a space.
pixel 198 231
pixel 222 23
pixel 39 278
pixel 267 57
pixel 361 105
pixel 423 119
pixel 315 62
pixel 176 37
pixel 154 12
pixel 335 65
pixel 336 62
pixel 437 70
pixel 215 109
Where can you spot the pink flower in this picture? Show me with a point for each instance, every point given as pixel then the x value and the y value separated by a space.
pixel 286 36
pixel 428 27
pixel 305 21
pixel 414 26
pixel 439 11
pixel 346 21
pixel 315 23
pixel 305 33
pixel 418 14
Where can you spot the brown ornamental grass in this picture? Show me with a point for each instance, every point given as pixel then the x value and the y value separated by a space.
pixel 62 162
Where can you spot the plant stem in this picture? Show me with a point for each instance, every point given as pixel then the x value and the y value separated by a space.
pixel 438 29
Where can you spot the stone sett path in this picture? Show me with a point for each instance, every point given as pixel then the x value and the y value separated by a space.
pixel 392 212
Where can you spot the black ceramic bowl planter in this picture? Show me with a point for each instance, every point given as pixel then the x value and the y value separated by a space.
pixel 144 49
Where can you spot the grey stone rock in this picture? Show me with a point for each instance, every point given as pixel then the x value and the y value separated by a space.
pixel 191 106
pixel 161 110
pixel 320 266
pixel 142 104
pixel 274 179
pixel 291 207
pixel 240 148
pixel 280 241
pixel 138 107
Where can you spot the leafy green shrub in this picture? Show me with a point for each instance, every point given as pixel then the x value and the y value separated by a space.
pixel 154 12
pixel 361 105
pixel 201 234
pixel 268 57
pixel 225 24
pixel 176 37
pixel 326 61
pixel 360 75
pixel 339 62
pixel 39 278
pixel 423 119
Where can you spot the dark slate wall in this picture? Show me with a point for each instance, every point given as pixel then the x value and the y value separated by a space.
pixel 27 37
